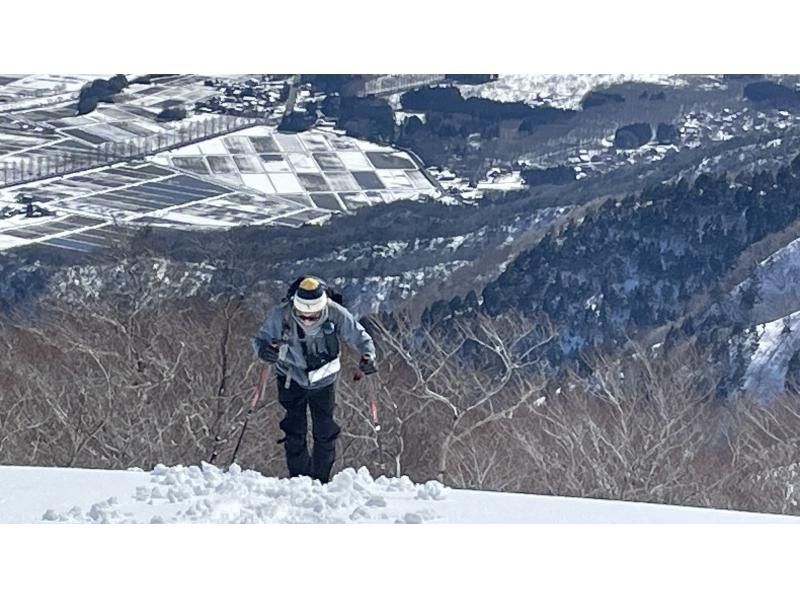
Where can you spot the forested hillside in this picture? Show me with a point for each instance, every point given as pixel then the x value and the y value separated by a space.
pixel 629 265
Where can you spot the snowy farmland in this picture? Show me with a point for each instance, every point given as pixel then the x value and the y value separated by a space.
pixel 315 168
pixel 90 209
pixel 43 135
pixel 254 176
pixel 207 494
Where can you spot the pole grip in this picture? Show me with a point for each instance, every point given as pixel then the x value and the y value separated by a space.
pixel 258 391
pixel 373 409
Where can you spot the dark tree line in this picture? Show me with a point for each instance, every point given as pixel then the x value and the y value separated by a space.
pixel 594 99
pixel 633 136
pixel 100 90
pixel 557 175
pixel 367 118
pixel 448 114
pixel 772 94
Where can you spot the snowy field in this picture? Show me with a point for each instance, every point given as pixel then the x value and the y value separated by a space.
pixel 561 91
pixel 207 494
pixel 253 177
pixel 324 170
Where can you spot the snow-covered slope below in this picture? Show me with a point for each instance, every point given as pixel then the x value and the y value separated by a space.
pixel 207 494
pixel 777 280
pixel 778 341
pixel 775 316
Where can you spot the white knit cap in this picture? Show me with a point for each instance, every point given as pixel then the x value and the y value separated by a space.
pixel 310 296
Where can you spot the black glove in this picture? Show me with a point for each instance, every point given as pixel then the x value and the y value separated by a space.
pixel 367 365
pixel 268 351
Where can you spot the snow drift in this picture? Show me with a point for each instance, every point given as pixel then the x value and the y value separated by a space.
pixel 207 494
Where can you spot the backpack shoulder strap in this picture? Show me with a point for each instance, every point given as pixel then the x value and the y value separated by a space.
pixel 286 321
pixel 331 335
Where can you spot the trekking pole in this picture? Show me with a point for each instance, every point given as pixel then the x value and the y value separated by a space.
pixel 376 425
pixel 215 451
pixel 373 409
pixel 258 391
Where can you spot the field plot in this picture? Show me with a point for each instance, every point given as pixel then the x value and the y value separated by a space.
pixel 183 89
pixel 275 163
pixel 393 179
pixel 16 87
pixel 10 143
pixel 302 162
pixel 326 201
pixel 333 172
pixel 354 160
pixel 53 230
pixel 343 181
pixel 313 182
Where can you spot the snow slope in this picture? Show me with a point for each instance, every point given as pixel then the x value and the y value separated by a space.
pixel 765 378
pixel 207 494
pixel 777 279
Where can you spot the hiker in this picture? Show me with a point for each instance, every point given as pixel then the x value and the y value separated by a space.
pixel 300 336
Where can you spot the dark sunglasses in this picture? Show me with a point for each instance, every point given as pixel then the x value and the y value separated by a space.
pixel 308 317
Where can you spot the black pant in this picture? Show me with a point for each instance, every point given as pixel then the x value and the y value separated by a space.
pixel 297 400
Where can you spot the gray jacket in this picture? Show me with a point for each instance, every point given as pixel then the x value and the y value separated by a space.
pixel 279 325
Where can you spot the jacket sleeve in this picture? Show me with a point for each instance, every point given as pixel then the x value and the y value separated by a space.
pixel 270 329
pixel 354 333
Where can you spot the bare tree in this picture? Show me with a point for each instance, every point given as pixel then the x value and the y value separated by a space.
pixel 638 429
pixel 477 372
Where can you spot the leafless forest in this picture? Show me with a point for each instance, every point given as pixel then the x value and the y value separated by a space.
pixel 135 381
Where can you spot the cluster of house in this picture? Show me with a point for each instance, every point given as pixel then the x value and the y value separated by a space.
pixel 248 97
pixel 496 179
